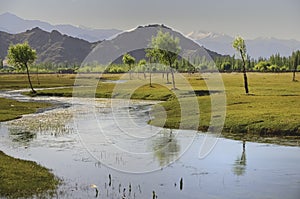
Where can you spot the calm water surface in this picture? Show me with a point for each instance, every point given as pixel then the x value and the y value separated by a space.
pixel 114 148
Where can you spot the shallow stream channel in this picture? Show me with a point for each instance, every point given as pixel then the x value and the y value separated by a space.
pixel 103 148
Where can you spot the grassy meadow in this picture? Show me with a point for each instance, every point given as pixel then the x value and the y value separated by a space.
pixel 19 178
pixel 12 109
pixel 271 109
pixel 270 113
pixel 24 179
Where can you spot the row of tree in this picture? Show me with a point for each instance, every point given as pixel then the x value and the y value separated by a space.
pixel 275 63
pixel 164 50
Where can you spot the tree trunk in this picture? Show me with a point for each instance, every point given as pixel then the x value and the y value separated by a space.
pixel 150 79
pixel 130 72
pixel 294 75
pixel 37 74
pixel 168 77
pixel 245 74
pixel 294 72
pixel 28 76
pixel 173 79
pixel 246 83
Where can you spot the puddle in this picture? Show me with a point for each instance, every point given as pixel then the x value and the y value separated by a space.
pixel 119 81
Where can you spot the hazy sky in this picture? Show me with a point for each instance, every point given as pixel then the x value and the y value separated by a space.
pixel 248 18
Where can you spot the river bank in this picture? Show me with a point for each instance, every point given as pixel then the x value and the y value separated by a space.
pixel 20 178
pixel 164 157
pixel 271 109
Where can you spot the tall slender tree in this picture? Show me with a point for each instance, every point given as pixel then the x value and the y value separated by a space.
pixel 167 48
pixel 21 56
pixel 295 63
pixel 128 60
pixel 240 46
pixel 153 57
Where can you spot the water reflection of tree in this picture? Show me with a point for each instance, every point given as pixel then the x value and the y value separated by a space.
pixel 26 129
pixel 166 148
pixel 21 136
pixel 239 166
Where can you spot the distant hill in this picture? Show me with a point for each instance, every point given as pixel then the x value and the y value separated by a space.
pixel 13 24
pixel 51 47
pixel 54 47
pixel 221 43
pixel 259 47
pixel 136 41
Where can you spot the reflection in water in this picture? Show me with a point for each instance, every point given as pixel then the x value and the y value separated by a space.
pixel 239 167
pixel 53 143
pixel 166 148
pixel 181 183
pixel 21 136
pixel 27 128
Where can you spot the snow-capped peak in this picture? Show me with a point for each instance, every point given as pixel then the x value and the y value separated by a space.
pixel 198 35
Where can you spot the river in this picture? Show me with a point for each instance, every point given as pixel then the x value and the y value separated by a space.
pixel 108 143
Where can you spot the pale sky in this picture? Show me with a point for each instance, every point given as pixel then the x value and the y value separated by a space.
pixel 248 18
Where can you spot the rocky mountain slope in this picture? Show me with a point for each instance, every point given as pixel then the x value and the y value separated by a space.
pixel 52 47
pixel 137 40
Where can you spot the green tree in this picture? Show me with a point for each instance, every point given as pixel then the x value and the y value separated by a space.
pixel 295 62
pixel 167 48
pixel 262 66
pixel 240 46
pixel 153 57
pixel 226 66
pixel 22 56
pixel 142 62
pixel 142 66
pixel 274 68
pixel 128 60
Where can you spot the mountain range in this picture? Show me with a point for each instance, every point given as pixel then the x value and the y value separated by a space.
pixel 51 47
pixel 54 47
pixel 137 40
pixel 68 38
pixel 259 47
pixel 13 24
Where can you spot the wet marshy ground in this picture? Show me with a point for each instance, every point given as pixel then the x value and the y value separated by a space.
pixel 105 149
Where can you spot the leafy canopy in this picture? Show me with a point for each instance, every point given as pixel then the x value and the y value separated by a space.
pixel 128 59
pixel 240 46
pixel 21 55
pixel 142 62
pixel 165 47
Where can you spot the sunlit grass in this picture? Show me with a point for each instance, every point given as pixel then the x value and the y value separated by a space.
pixel 12 109
pixel 271 108
pixel 20 81
pixel 24 179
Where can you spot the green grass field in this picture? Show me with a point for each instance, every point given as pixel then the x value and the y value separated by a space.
pixel 271 108
pixel 24 179
pixel 270 113
pixel 21 178
pixel 12 109
pixel 19 81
